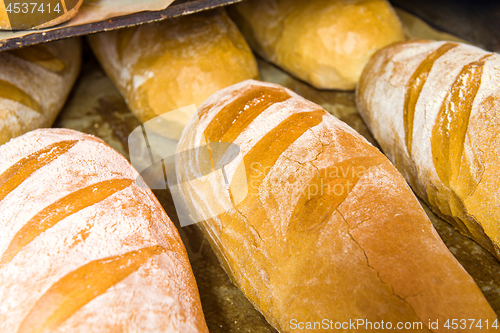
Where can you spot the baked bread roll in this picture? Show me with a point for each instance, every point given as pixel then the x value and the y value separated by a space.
pixel 323 42
pixel 433 107
pixel 163 66
pixel 85 246
pixel 34 84
pixel 328 228
pixel 25 15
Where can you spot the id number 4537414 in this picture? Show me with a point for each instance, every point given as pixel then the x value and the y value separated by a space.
pixel 454 324
pixel 32 8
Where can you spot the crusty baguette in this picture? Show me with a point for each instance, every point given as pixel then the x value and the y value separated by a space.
pixel 83 246
pixel 163 66
pixel 323 42
pixel 34 84
pixel 329 229
pixel 433 107
pixel 23 15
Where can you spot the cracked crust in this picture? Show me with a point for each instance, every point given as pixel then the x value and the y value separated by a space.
pixel 298 246
pixel 433 108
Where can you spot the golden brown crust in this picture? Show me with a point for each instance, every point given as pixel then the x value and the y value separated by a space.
pixel 85 245
pixel 325 43
pixel 34 84
pixel 441 132
pixel 328 228
pixel 164 66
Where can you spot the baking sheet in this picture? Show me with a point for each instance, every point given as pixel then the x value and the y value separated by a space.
pixel 12 40
pixel 95 11
pixel 96 107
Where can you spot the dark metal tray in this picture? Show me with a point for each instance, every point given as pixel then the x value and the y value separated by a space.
pixel 177 8
pixel 477 21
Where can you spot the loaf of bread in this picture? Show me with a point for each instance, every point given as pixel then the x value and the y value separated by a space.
pixel 323 42
pixel 25 15
pixel 84 244
pixel 34 84
pixel 163 66
pixel 433 108
pixel 327 229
